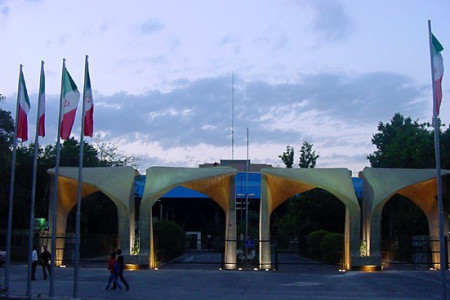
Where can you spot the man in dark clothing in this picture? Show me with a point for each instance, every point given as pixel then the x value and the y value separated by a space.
pixel 45 260
pixel 121 268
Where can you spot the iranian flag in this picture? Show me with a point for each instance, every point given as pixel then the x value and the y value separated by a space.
pixel 88 105
pixel 438 70
pixel 70 98
pixel 23 107
pixel 41 104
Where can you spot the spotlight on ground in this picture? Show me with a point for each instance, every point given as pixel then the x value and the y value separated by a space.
pixel 131 267
pixel 369 268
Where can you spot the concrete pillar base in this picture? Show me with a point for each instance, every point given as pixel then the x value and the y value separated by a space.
pixel 265 266
pixel 136 261
pixel 366 263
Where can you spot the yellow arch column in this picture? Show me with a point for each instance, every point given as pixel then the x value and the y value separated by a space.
pixel 380 184
pixel 217 183
pixel 116 183
pixel 277 185
pixel 67 196
pixel 424 195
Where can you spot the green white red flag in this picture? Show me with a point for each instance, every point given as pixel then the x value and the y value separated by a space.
pixel 41 105
pixel 70 96
pixel 88 105
pixel 23 107
pixel 438 70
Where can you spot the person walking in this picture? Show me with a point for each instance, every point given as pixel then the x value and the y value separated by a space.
pixel 34 262
pixel 113 268
pixel 121 265
pixel 45 261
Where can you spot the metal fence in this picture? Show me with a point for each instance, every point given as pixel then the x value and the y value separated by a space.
pixel 200 254
pixel 94 248
pixel 290 258
pixel 197 253
pixel 207 253
pixel 422 253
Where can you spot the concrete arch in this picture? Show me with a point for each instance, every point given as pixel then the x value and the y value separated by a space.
pixel 115 182
pixel 277 185
pixel 380 184
pixel 217 183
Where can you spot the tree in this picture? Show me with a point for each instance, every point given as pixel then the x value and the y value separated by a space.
pixel 170 240
pixel 69 157
pixel 313 210
pixel 70 154
pixel 403 143
pixel 445 148
pixel 302 214
pixel 6 136
pixel 109 155
pixel 288 157
pixel 308 157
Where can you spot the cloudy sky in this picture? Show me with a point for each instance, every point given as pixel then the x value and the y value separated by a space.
pixel 324 71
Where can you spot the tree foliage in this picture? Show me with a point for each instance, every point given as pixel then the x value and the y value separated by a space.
pixel 404 143
pixel 69 157
pixel 332 247
pixel 109 155
pixel 6 136
pixel 308 157
pixel 288 157
pixel 170 240
pixel 302 214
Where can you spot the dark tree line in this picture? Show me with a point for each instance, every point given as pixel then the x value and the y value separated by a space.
pixel 404 143
pixel 104 155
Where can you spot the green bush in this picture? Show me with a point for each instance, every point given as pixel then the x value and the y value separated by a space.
pixel 332 248
pixel 218 243
pixel 313 242
pixel 170 240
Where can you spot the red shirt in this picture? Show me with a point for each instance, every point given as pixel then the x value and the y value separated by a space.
pixel 111 263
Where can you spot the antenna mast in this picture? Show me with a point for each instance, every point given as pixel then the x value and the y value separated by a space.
pixel 232 115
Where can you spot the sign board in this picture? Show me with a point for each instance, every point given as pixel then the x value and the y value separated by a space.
pixel 249 244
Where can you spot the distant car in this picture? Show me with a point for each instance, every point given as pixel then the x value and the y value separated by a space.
pixel 2 257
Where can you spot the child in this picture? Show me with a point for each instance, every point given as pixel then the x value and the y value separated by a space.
pixel 113 271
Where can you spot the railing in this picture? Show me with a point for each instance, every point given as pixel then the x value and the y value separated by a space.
pixel 424 253
pixel 94 248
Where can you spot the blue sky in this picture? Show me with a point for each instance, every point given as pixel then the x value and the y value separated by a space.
pixel 326 72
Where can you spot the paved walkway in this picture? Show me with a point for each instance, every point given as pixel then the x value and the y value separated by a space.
pixel 325 283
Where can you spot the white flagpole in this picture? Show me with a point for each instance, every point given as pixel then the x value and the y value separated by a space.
pixel 55 186
pixel 80 182
pixel 442 248
pixel 33 186
pixel 247 169
pixel 11 192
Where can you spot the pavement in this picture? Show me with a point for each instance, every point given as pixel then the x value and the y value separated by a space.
pixel 304 282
